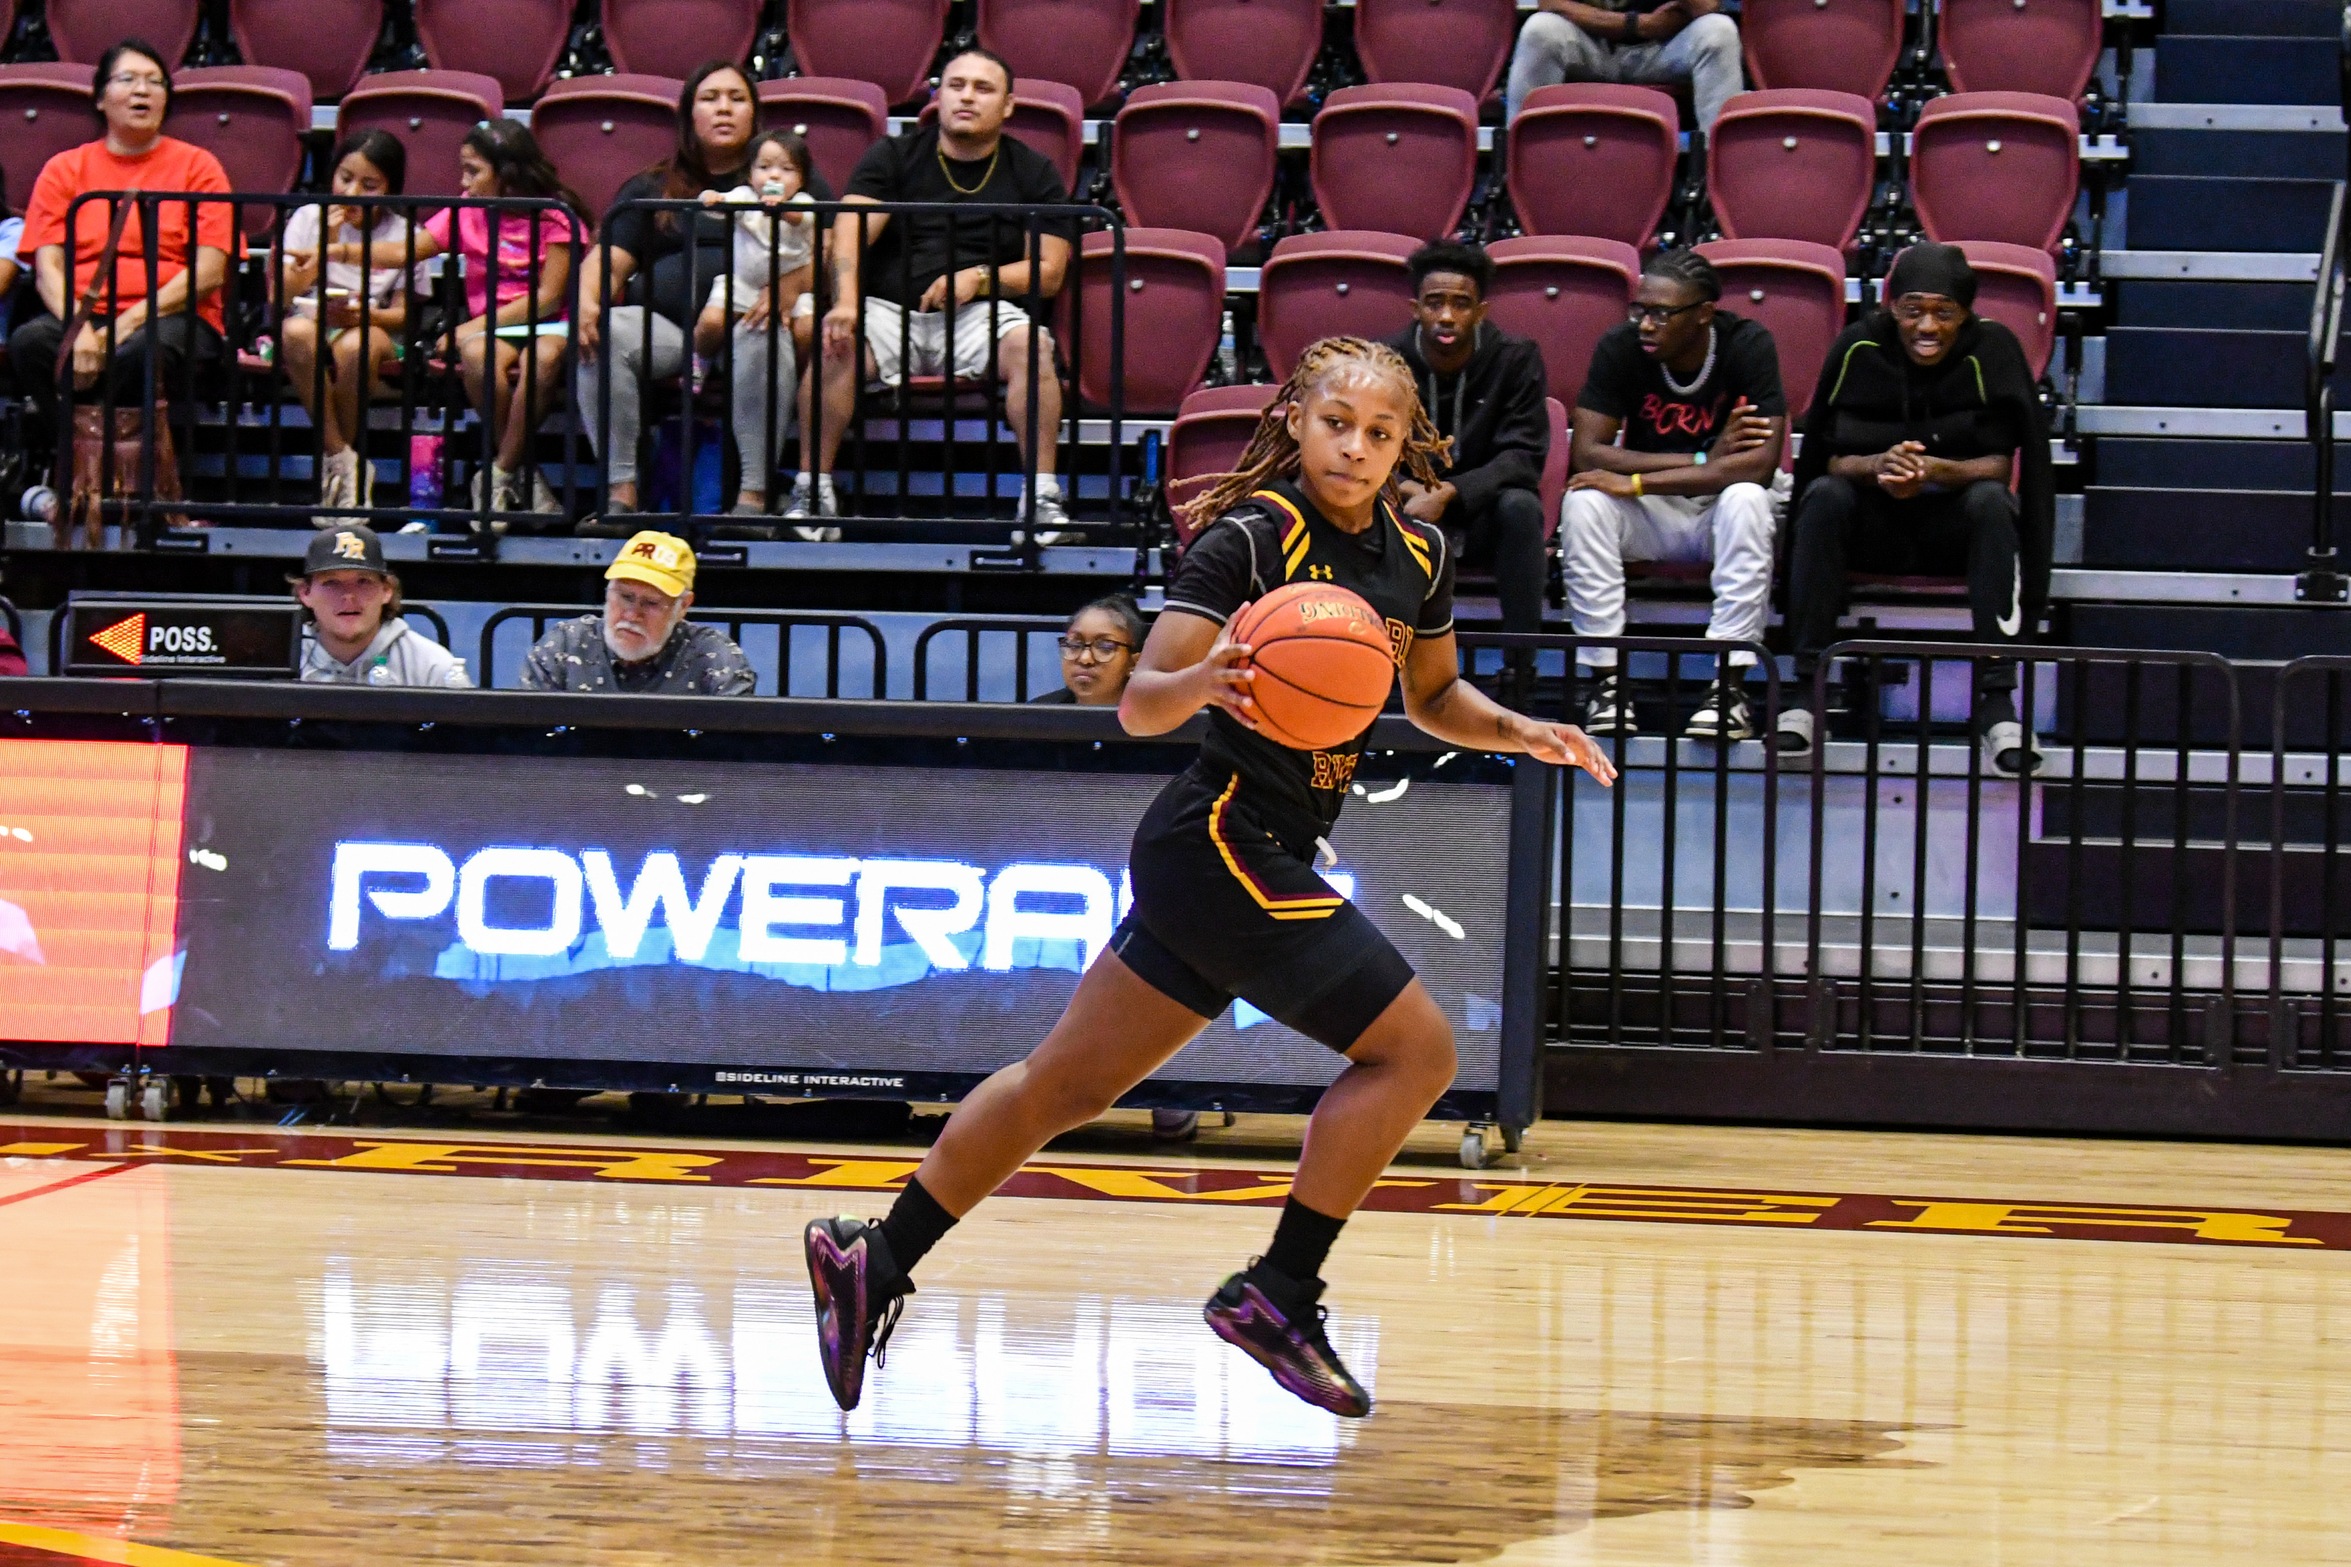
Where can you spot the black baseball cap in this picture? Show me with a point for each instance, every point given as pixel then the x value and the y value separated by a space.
pixel 352 548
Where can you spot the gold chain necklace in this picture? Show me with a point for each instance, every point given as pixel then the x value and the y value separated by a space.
pixel 947 170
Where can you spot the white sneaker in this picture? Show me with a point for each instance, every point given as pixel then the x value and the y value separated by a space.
pixel 807 503
pixel 1609 708
pixel 338 485
pixel 1722 716
pixel 1052 522
pixel 541 494
pixel 1793 734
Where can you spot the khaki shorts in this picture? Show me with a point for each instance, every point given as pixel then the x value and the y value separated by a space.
pixel 976 329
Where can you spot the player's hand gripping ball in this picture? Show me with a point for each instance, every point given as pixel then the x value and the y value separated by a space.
pixel 1324 664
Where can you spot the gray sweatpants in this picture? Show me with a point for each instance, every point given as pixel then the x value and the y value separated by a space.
pixel 755 395
pixel 1551 49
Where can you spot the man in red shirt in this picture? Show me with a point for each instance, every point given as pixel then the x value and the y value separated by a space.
pixel 177 314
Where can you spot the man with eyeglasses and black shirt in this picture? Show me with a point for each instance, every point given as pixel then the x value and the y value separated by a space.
pixel 1678 432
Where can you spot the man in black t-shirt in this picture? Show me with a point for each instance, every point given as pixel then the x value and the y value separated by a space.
pixel 942 295
pixel 1678 432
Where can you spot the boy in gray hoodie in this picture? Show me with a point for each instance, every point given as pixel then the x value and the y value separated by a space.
pixel 357 635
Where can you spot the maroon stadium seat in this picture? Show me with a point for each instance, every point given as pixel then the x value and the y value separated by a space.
pixel 1797 290
pixel 839 117
pixel 1794 163
pixel 515 41
pixel 1318 285
pixel 328 41
pixel 1553 488
pixel 85 29
pixel 430 112
pixel 1049 117
pixel 1594 158
pixel 251 117
pixel 1401 157
pixel 889 43
pixel 1448 43
pixel 1270 42
pixel 1196 155
pixel 1081 44
pixel 1844 45
pixel 1563 292
pixel 601 131
pixel 2016 285
pixel 1996 165
pixel 45 108
pixel 1212 429
pixel 1174 316
pixel 674 37
pixel 2043 46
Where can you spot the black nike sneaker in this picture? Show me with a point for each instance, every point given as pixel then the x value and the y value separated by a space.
pixel 1278 1322
pixel 859 1293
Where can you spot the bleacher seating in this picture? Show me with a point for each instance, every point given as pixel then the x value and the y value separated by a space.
pixel 1048 117
pixel 1842 45
pixel 603 130
pixel 46 107
pixel 1400 157
pixel 1079 44
pixel 2038 46
pixel 1563 291
pixel 251 117
pixel 1446 43
pixel 889 43
pixel 515 41
pixel 328 41
pixel 1794 163
pixel 1211 431
pixel 429 112
pixel 1269 42
pixel 673 37
pixel 1175 287
pixel 83 30
pixel 838 116
pixel 1595 159
pixel 1196 155
pixel 1996 165
pixel 1320 285
pixel 1797 290
pixel 2016 285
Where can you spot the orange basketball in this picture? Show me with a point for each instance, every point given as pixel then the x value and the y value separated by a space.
pixel 1322 661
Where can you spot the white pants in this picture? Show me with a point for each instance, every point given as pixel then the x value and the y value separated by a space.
pixel 1599 533
pixel 926 339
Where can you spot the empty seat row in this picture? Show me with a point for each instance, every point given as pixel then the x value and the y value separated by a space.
pixel 2043 46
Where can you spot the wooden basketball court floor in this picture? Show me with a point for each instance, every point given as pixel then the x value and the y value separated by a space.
pixel 222 1343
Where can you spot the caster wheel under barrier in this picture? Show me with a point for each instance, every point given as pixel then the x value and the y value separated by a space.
pixel 155 1100
pixel 1473 1149
pixel 118 1100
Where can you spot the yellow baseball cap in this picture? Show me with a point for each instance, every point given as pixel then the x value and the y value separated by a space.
pixel 660 560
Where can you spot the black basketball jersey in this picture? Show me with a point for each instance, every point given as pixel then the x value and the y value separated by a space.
pixel 1401 567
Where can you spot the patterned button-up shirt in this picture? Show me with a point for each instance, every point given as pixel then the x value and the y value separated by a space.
pixel 696 661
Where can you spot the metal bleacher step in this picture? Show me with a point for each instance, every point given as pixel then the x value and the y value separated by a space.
pixel 2250 18
pixel 2210 368
pixel 2232 306
pixel 2186 464
pixel 2236 67
pixel 2270 632
pixel 2229 213
pixel 2197 530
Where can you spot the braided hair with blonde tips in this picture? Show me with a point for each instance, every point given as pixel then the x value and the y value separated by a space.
pixel 1273 452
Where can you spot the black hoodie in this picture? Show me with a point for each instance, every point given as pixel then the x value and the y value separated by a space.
pixel 1493 410
pixel 1978 401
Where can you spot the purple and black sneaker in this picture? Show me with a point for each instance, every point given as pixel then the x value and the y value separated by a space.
pixel 1278 1323
pixel 859 1293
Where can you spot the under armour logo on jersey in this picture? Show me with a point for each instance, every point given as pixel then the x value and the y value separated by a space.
pixel 1318 573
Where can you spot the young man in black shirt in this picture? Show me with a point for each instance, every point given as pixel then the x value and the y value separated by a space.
pixel 923 280
pixel 1484 389
pixel 1678 431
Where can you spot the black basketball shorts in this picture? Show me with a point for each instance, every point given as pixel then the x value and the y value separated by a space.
pixel 1224 907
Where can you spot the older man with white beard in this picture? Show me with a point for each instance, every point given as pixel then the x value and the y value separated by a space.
pixel 642 643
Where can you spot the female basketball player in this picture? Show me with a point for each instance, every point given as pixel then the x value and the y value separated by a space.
pixel 1226 900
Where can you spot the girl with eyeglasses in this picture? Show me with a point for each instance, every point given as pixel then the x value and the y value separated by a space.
pixel 1098 649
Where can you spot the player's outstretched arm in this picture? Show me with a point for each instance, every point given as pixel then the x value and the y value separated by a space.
pixel 1449 707
pixel 1189 662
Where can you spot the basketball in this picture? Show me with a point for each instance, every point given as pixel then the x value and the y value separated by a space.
pixel 1323 664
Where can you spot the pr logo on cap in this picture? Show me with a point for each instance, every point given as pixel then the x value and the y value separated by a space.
pixel 350 546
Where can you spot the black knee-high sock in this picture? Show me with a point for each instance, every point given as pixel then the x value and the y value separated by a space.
pixel 915 1224
pixel 1301 1241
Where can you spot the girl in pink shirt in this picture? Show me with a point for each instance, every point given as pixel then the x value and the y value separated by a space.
pixel 502 158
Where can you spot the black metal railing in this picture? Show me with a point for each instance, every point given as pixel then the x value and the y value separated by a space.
pixel 2322 580
pixel 910 413
pixel 792 630
pixel 1033 673
pixel 2307 902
